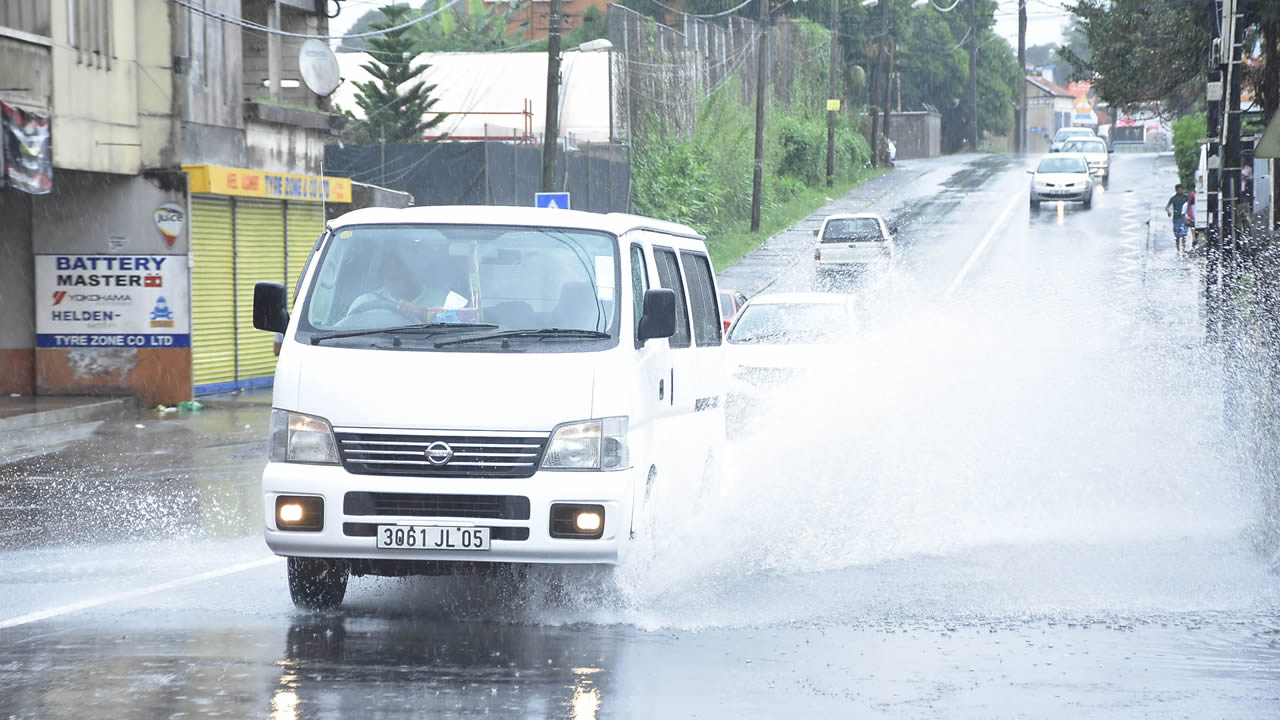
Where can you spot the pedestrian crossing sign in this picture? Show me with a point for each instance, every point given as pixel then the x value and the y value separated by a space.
pixel 551 200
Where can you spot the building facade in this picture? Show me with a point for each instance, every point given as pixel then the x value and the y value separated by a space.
pixel 187 159
pixel 1049 109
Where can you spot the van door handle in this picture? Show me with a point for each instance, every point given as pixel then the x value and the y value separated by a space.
pixel 662 392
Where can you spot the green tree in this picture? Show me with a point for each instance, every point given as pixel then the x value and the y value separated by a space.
pixel 591 28
pixel 1187 131
pixel 396 104
pixel 1143 51
pixel 998 84
pixel 468 27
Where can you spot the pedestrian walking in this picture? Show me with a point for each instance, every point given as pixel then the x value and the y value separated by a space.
pixel 1175 209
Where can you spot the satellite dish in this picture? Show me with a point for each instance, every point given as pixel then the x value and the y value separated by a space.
pixel 319 67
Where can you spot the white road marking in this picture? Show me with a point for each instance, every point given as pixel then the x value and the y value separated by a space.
pixel 130 594
pixel 982 246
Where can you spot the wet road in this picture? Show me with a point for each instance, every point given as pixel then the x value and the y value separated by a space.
pixel 1018 500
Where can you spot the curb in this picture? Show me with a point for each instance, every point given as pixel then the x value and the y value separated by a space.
pixel 87 412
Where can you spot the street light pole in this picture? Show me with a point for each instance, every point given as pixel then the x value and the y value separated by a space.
pixel 551 132
pixel 973 75
pixel 882 74
pixel 1020 122
pixel 757 176
pixel 831 94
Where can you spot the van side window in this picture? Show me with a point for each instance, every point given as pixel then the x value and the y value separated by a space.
pixel 639 284
pixel 702 298
pixel 669 278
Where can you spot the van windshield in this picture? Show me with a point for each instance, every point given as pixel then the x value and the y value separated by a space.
pixel 852 230
pixel 461 279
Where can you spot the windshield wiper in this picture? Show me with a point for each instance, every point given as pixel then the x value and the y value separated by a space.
pixel 318 338
pixel 535 332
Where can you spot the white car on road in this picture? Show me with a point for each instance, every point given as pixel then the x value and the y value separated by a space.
pixel 853 241
pixel 1064 177
pixel 780 336
pixel 1095 152
pixel 1061 137
pixel 465 387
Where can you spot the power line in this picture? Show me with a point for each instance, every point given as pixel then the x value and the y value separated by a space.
pixel 249 24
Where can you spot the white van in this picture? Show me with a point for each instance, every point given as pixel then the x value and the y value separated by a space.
pixel 464 387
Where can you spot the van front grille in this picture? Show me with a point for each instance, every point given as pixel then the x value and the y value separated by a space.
pixel 495 507
pixel 366 452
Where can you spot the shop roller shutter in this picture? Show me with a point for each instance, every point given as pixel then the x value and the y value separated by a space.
pixel 304 222
pixel 259 256
pixel 213 316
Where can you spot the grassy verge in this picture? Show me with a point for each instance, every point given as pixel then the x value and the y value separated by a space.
pixel 732 242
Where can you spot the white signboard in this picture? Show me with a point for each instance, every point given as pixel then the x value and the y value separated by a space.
pixel 129 301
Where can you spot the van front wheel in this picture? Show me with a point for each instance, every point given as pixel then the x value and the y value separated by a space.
pixel 317 583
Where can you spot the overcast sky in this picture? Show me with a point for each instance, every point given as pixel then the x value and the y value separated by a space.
pixel 1046 19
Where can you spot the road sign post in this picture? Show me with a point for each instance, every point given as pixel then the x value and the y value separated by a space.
pixel 551 200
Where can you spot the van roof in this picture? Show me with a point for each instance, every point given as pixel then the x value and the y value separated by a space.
pixel 616 223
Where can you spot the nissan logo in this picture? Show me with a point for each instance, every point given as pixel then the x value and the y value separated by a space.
pixel 439 453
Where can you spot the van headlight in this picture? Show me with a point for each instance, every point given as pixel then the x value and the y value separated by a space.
pixel 589 445
pixel 299 438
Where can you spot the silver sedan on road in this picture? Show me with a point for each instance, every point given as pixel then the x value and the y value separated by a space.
pixel 1062 176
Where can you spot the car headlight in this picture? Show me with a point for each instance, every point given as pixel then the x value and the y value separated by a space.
pixel 589 445
pixel 299 438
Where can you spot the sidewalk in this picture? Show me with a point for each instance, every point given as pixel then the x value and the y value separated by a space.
pixel 891 194
pixel 32 426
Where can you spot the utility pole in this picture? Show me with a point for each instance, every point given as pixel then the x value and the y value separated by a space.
pixel 1213 163
pixel 757 176
pixel 1020 114
pixel 831 94
pixel 551 133
pixel 973 75
pixel 883 72
pixel 1231 157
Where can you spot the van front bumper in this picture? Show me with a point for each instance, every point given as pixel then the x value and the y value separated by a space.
pixel 348 535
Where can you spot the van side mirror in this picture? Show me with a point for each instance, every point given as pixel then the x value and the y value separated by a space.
pixel 658 320
pixel 815 232
pixel 269 311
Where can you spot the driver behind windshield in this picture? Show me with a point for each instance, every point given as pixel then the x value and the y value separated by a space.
pixel 402 290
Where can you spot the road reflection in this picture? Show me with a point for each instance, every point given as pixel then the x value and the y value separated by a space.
pixel 347 665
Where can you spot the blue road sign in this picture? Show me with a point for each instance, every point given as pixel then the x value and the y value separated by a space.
pixel 555 201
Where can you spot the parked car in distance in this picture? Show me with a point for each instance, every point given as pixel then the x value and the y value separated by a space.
pixel 1095 152
pixel 1063 176
pixel 731 301
pixel 853 241
pixel 1064 134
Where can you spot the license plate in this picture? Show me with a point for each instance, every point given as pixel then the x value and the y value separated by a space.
pixel 423 537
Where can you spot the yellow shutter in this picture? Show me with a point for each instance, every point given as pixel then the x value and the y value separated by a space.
pixel 259 256
pixel 213 335
pixel 304 222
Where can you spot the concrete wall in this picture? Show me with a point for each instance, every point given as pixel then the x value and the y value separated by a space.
pixel 26 67
pixel 17 322
pixel 210 90
pixel 157 126
pixel 916 134
pixel 284 148
pixel 81 215
pixel 95 97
